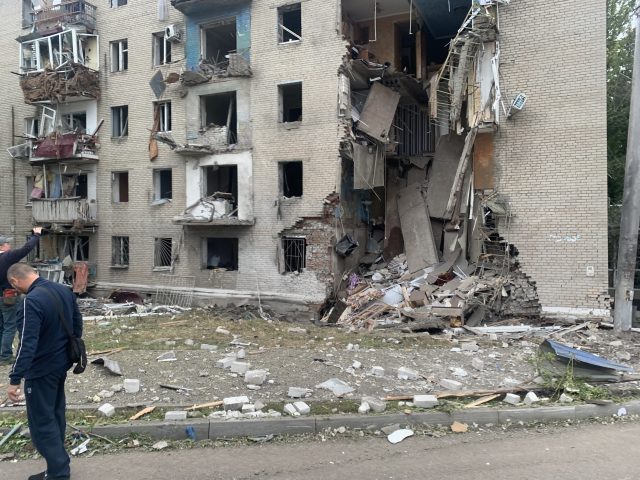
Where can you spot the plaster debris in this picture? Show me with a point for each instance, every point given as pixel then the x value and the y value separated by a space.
pixel 131 385
pixel 512 399
pixel 107 410
pixel 450 384
pixel 399 435
pixel 337 386
pixel 168 357
pixel 298 392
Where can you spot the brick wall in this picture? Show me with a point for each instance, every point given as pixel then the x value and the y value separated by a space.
pixel 551 157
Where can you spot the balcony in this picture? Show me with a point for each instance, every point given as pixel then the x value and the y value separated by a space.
pixel 64 211
pixel 67 146
pixel 75 12
pixel 192 6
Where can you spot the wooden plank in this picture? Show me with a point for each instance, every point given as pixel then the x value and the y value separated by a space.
pixel 483 162
pixel 482 400
pixel 142 413
pixel 106 352
pixel 460 172
pixel 205 405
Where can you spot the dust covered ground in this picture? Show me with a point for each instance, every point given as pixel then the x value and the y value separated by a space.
pixel 303 355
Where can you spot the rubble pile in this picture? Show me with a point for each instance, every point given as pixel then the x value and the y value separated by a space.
pixel 68 80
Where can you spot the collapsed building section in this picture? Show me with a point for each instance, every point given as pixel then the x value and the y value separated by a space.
pixel 420 106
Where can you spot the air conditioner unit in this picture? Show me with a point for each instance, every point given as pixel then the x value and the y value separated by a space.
pixel 172 33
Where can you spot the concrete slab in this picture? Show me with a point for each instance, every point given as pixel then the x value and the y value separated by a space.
pixel 258 428
pixel 156 430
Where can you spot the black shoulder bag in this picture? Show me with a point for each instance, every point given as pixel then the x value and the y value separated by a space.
pixel 75 348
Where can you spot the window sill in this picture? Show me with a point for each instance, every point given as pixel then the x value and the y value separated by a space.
pixel 119 267
pixel 119 203
pixel 122 139
pixel 160 201
pixel 119 71
pixel 291 125
pixel 291 42
pixel 28 205
pixel 161 269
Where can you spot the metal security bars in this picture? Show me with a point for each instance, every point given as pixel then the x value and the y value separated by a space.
pixel 163 253
pixel 295 253
pixel 120 251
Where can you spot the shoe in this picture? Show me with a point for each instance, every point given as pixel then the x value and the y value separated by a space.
pixel 44 476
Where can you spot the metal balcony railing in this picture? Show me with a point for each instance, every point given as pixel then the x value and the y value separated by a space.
pixel 75 12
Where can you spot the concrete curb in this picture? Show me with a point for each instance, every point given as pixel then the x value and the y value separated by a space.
pixel 226 429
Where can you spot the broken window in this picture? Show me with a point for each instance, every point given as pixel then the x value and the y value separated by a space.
pixel 28 13
pixel 405 48
pixel 220 179
pixel 290 179
pixel 120 121
pixel 295 253
pixel 120 252
pixel 32 127
pixel 290 23
pixel 76 247
pixel 118 3
pixel 163 253
pixel 61 49
pixel 162 116
pixel 161 49
pixel 47 121
pixel 120 187
pixel 218 40
pixel 221 253
pixel 290 99
pixel 162 184
pixel 74 186
pixel 119 55
pixel 219 112
pixel 74 121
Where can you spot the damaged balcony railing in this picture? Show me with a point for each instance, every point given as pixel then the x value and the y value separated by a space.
pixel 64 210
pixel 77 12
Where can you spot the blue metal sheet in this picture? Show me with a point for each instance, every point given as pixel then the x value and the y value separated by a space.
pixel 576 355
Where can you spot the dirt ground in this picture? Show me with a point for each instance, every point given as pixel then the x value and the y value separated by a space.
pixel 302 355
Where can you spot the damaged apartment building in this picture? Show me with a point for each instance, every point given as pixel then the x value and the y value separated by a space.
pixel 292 152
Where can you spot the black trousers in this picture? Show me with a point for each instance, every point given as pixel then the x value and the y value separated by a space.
pixel 47 424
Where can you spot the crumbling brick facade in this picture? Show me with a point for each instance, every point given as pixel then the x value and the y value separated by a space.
pixel 550 159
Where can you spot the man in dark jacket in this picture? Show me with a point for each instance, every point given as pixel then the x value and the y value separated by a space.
pixel 7 308
pixel 42 361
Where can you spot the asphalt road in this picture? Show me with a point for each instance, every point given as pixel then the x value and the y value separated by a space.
pixel 603 452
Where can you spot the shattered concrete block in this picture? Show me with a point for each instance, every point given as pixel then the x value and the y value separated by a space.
pixel 131 385
pixel 240 367
pixel 470 347
pixel 223 331
pixel 450 384
pixel 356 364
pixel 161 445
pixel 107 410
pixel 234 403
pixel 255 377
pixel 240 354
pixel 622 355
pixel 297 330
pixel 258 404
pixel 175 415
pixel 531 398
pixel 209 348
pixel 376 404
pixel 248 408
pixel 564 398
pixel 302 408
pixel 189 343
pixel 116 388
pixel 337 386
pixel 510 382
pixel 105 393
pixel 225 362
pixel 407 374
pixel 377 371
pixel 289 409
pixel 364 408
pixel 167 357
pixel 425 401
pixel 458 372
pixel 253 387
pixel 493 337
pixel 511 399
pixel 477 363
pixel 298 392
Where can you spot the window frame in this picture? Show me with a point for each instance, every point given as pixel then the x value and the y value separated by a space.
pixel 119 62
pixel 157 184
pixel 115 181
pixel 163 110
pixel 121 114
pixel 296 6
pixel 161 43
pixel 124 251
pixel 302 262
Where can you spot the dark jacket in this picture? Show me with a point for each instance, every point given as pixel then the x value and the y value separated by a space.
pixel 43 340
pixel 14 256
